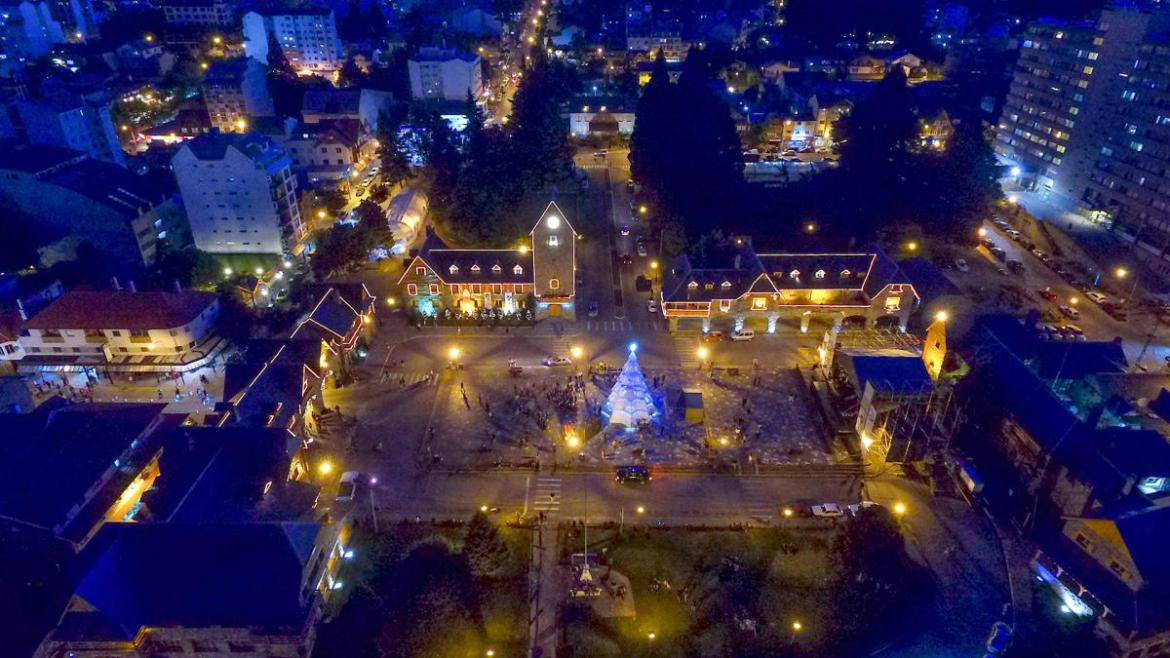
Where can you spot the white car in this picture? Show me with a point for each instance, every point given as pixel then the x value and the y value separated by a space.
pixel 828 510
pixel 743 334
pixel 348 487
pixel 652 305
pixel 1096 296
pixel 553 361
pixel 856 508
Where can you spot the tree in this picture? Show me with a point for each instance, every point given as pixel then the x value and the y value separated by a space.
pixel 540 142
pixel 395 163
pixel 484 547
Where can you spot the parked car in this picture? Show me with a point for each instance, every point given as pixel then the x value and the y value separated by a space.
pixel 828 510
pixel 1038 253
pixel 1015 266
pixel 641 247
pixel 713 336
pixel 347 488
pixel 624 230
pixel 636 474
pixel 961 265
pixel 999 639
pixel 1013 233
pixel 652 305
pixel 1096 297
pixel 986 243
pixel 856 508
pixel 1070 312
pixel 627 259
pixel 999 254
pixel 1047 294
pixel 743 334
pixel 592 309
pixel 554 361
pixel 1073 332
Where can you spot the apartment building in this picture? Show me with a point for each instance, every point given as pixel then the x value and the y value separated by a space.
pixel 236 91
pixel 307 38
pixel 240 194
pixel 445 74
pixel 70 121
pixel 198 12
pixel 124 215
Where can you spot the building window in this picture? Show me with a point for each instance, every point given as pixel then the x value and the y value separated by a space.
pixel 725 285
pixel 453 269
pixel 554 284
pixel 517 270
pixel 759 302
pixel 411 289
pixel 820 274
pixel 554 240
pixel 420 271
pixel 1116 568
pixel 1084 542
pixel 434 288
pixel 475 267
pixel 725 305
pixel 845 274
pixel 893 303
pixel 693 284
pixel 794 274
pixel 496 268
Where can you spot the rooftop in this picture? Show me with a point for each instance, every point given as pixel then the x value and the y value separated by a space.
pixel 436 54
pixel 229 575
pixel 122 309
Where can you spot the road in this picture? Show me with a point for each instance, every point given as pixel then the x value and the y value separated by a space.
pixel 1096 324
pixel 515 49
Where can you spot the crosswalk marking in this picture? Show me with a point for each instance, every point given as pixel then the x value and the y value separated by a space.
pixel 757 499
pixel 403 378
pixel 622 325
pixel 547 494
pixel 686 346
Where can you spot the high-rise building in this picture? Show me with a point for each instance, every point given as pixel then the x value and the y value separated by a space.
pixel 1085 120
pixel 445 74
pixel 236 91
pixel 307 38
pixel 1129 183
pixel 24 35
pixel 240 194
pixel 68 120
pixel 198 12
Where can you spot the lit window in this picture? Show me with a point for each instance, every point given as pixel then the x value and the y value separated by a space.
pixel 820 274
pixel 411 289
pixel 554 240
pixel 794 274
pixel 475 267
pixel 725 284
pixel 893 303
pixel 759 302
pixel 554 284
pixel 845 274
pixel 517 270
pixel 725 305
pixel 496 268
pixel 434 288
pixel 420 271
pixel 453 269
pixel 693 284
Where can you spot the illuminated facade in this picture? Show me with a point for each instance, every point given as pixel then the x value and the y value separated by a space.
pixel 761 290
pixel 540 277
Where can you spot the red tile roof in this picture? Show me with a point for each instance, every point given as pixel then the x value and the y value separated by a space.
pixel 121 309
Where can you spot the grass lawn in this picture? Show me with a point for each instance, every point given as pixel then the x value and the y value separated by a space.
pixel 374 579
pixel 247 263
pixel 748 572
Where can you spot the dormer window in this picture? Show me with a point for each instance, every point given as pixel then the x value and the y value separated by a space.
pixel 725 285
pixel 794 274
pixel 709 286
pixel 693 284
pixel 820 274
pixel 517 270
pixel 845 274
pixel 475 267
pixel 496 268
pixel 454 269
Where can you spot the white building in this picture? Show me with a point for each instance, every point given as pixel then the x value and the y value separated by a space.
pixel 69 121
pixel 108 326
pixel 240 194
pixel 236 91
pixel 596 115
pixel 198 12
pixel 445 74
pixel 307 37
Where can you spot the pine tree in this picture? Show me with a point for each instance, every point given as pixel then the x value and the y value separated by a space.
pixel 484 547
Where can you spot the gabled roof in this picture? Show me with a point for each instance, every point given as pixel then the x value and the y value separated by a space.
pixel 332 318
pixel 890 371
pixel 550 209
pixel 198 576
pixel 54 455
pixel 780 267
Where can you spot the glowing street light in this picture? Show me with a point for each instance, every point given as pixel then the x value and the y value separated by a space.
pixel 576 352
pixel 643 209
pixel 1074 300
pixel 320 214
pixel 797 626
pixel 641 509
pixel 325 468
pixel 489 653
pixel 1121 272
pixel 241 125
pixel 483 508
pixel 572 441
pixel 982 232
pixel 390 301
pixel 259 271
pixel 912 246
pixel 523 249
pixel 653 264
pixel 900 508
pixel 941 316
pixel 702 352
pixel 227 271
pixel 454 353
pixel 787 512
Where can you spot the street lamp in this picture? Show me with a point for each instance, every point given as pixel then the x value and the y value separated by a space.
pixel 483 508
pixel 810 227
pixel 900 508
pixel 912 246
pixel 653 264
pixel 325 468
pixel 1074 300
pixel 227 271
pixel 390 301
pixel 941 316
pixel 641 509
pixel 320 214
pixel 1121 272
pixel 454 353
pixel 642 209
pixel 576 352
pixel 982 232
pixel 787 512
pixel 702 352
pixel 259 271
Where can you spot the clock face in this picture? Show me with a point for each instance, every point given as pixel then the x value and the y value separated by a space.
pixel 553 222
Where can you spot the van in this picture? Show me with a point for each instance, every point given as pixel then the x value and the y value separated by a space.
pixel 743 334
